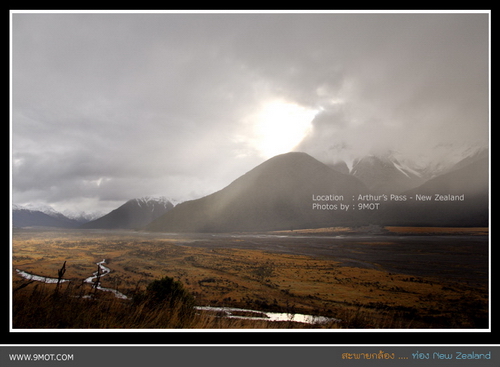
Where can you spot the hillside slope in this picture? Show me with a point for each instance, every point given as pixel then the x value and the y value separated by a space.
pixel 278 194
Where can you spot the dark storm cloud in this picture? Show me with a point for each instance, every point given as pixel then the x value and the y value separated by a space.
pixel 114 106
pixel 423 81
pixel 129 96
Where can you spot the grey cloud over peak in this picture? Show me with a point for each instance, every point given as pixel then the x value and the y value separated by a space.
pixel 106 107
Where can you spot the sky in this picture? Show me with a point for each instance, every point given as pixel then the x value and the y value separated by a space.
pixel 106 107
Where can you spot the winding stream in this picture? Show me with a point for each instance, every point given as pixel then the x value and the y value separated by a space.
pixel 228 312
pixel 102 271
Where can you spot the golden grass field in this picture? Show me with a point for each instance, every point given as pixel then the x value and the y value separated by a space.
pixel 256 279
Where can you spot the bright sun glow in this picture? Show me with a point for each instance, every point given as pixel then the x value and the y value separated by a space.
pixel 280 126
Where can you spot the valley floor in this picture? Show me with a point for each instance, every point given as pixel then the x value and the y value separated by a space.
pixel 393 277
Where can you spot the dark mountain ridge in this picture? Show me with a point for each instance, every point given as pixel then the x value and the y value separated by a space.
pixel 276 195
pixel 459 198
pixel 280 194
pixel 294 191
pixel 134 214
pixel 25 217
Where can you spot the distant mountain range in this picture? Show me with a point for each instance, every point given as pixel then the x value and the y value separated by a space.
pixel 393 173
pixel 42 216
pixel 295 190
pixel 134 214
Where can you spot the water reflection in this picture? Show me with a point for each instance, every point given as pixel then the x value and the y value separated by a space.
pixel 246 314
pixel 40 278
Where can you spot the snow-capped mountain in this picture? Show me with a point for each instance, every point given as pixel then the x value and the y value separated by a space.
pixel 139 212
pixel 441 159
pixel 47 209
pixel 394 172
pixel 32 215
pixel 385 175
pixel 156 200
pixel 135 213
pixel 83 217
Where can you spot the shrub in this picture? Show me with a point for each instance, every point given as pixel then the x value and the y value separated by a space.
pixel 167 292
pixel 168 302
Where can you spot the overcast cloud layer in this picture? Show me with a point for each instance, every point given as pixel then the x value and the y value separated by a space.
pixel 109 107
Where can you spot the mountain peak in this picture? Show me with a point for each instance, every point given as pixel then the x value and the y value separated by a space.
pixel 277 194
pixel 152 200
pixel 385 174
pixel 133 214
